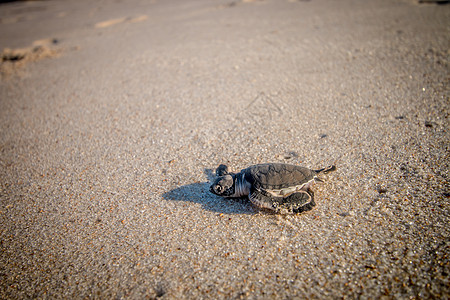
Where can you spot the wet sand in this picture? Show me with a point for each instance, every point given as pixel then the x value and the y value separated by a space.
pixel 109 142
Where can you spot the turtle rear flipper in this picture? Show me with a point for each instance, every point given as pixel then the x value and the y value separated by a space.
pixel 326 170
pixel 306 205
pixel 294 203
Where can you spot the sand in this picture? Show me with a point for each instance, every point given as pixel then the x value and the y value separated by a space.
pixel 108 148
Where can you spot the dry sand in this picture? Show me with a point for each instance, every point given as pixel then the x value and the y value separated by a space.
pixel 106 150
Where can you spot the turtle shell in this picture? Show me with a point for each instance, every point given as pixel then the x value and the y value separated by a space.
pixel 278 178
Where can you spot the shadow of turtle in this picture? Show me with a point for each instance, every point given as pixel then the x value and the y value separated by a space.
pixel 199 193
pixel 210 175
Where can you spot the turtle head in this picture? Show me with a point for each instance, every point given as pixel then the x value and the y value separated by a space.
pixel 223 186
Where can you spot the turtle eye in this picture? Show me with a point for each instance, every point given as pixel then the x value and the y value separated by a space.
pixel 219 189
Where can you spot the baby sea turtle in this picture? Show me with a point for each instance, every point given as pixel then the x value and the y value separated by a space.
pixel 275 186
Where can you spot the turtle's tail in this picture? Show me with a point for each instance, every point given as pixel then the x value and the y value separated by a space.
pixel 326 170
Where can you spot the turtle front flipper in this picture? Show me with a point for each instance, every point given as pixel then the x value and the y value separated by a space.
pixel 294 203
pixel 222 170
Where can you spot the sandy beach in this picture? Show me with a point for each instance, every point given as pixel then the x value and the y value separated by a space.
pixel 115 114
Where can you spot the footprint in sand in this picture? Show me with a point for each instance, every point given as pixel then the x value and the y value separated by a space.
pixel 112 22
pixel 12 60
